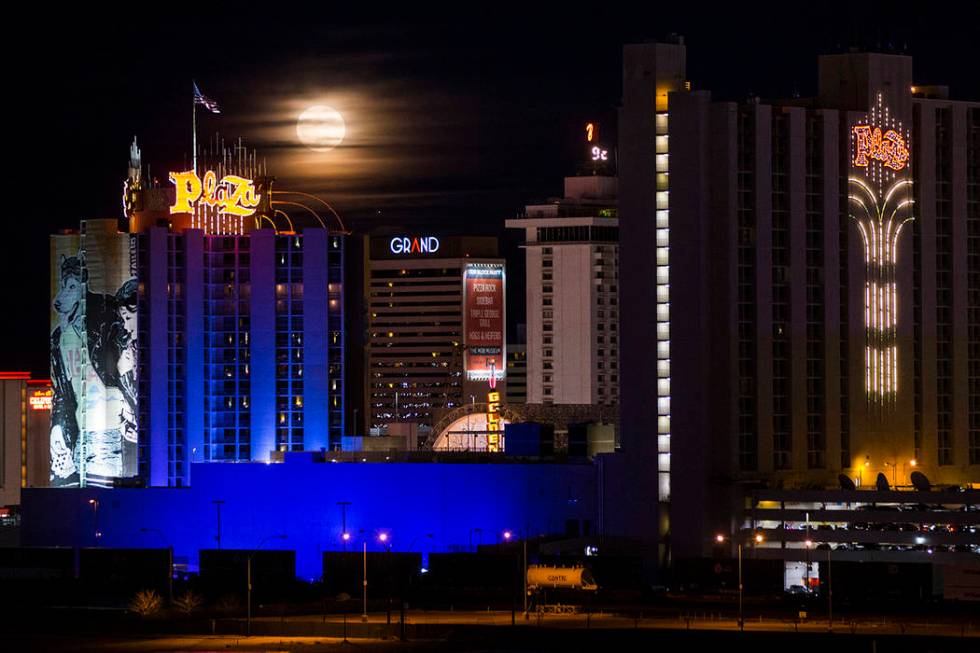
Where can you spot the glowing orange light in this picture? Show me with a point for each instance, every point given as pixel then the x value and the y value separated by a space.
pixel 871 143
pixel 591 132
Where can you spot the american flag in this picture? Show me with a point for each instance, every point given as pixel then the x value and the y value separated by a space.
pixel 203 100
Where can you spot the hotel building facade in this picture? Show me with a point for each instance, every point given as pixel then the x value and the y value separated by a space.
pixel 25 420
pixel 571 247
pixel 812 267
pixel 427 353
pixel 198 334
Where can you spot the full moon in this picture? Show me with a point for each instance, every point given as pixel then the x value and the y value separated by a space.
pixel 321 128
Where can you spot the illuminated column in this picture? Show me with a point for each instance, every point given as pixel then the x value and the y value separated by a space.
pixel 880 202
pixel 663 306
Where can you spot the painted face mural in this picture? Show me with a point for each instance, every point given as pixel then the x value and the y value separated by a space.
pixel 93 362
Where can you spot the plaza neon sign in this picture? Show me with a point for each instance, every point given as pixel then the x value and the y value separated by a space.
pixel 880 202
pixel 417 245
pixel 887 147
pixel 231 195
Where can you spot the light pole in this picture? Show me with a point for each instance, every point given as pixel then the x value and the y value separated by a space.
pixel 894 466
pixel 741 615
pixel 345 536
pixel 95 514
pixel 217 504
pixel 524 577
pixel 383 538
pixel 808 543
pixel 830 596
pixel 248 589
pixel 364 612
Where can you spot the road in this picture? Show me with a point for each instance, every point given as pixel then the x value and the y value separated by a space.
pixel 868 626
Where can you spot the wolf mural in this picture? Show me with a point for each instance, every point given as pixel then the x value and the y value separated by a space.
pixel 93 374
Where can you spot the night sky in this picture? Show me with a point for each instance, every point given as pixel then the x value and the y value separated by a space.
pixel 455 118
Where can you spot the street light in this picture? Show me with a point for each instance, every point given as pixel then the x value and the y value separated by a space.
pixel 95 512
pixel 343 518
pixel 507 536
pixel 248 589
pixel 384 539
pixel 364 611
pixel 758 540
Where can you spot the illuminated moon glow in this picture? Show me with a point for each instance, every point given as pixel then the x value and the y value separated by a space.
pixel 321 128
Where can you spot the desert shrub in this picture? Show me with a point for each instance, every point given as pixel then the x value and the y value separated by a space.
pixel 146 603
pixel 188 602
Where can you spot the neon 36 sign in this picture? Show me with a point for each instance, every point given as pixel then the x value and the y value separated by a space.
pixel 232 195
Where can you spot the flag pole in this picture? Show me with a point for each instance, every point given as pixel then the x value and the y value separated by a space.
pixel 194 123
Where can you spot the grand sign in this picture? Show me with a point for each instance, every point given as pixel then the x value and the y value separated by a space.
pixel 231 195
pixel 414 245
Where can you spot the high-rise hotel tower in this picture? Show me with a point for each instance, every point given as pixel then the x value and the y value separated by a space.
pixel 803 284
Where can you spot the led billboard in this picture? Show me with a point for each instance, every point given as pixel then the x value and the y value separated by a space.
pixel 483 320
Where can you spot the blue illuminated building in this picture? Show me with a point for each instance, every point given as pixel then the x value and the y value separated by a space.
pixel 240 347
pixel 423 507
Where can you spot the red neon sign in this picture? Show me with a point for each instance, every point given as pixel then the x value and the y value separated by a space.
pixel 41 399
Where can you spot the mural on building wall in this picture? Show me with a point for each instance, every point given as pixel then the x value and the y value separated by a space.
pixel 93 360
